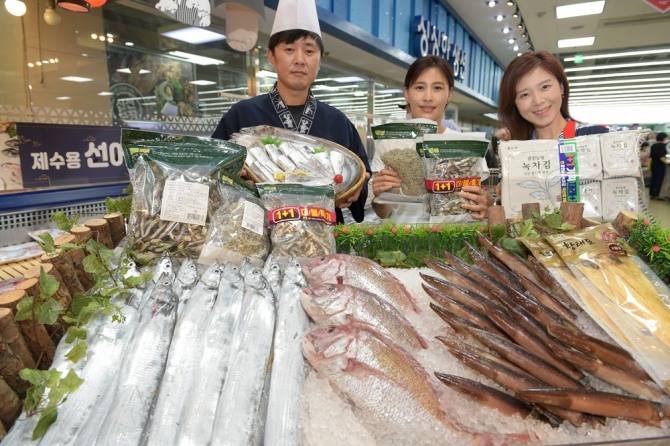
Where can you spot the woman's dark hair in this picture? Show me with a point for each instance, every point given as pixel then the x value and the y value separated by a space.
pixel 291 36
pixel 426 62
pixel 519 128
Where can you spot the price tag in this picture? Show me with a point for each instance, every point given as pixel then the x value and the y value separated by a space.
pixel 185 202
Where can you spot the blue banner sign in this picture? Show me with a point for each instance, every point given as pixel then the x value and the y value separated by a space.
pixel 428 40
pixel 69 155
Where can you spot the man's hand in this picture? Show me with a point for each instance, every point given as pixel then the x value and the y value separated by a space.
pixel 357 193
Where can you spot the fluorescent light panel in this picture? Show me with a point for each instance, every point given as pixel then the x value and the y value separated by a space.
pixel 203 82
pixel 194 58
pixel 194 35
pixel 621 65
pixel 580 9
pixel 625 54
pixel 76 79
pixel 580 41
pixel 628 74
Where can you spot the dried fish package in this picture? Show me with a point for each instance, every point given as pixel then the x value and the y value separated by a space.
pixel 176 189
pixel 301 218
pixel 452 162
pixel 634 296
pixel 396 147
pixel 301 158
pixel 238 228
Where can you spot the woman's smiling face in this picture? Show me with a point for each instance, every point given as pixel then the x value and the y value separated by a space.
pixel 539 96
pixel 429 95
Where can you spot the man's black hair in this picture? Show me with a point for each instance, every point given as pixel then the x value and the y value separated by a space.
pixel 291 36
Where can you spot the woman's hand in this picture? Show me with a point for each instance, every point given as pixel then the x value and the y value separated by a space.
pixel 482 200
pixel 385 180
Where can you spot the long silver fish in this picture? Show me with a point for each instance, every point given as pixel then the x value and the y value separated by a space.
pixel 273 274
pixel 197 419
pixel 183 359
pixel 288 365
pixel 239 410
pixel 184 282
pixel 143 365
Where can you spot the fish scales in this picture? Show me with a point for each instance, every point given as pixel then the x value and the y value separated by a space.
pixel 183 359
pixel 362 273
pixel 288 365
pixel 333 304
pixel 240 403
pixel 197 419
pixel 144 362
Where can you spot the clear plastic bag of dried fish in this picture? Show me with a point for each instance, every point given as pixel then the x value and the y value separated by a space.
pixel 176 189
pixel 301 219
pixel 451 162
pixel 396 148
pixel 279 155
pixel 238 229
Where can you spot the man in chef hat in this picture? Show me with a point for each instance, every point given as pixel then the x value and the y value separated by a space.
pixel 295 50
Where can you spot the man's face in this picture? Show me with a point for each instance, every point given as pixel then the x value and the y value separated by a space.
pixel 296 64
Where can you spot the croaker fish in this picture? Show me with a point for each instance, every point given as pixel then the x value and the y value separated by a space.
pixel 362 273
pixel 333 304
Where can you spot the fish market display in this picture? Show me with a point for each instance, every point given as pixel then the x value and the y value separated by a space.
pixel 279 155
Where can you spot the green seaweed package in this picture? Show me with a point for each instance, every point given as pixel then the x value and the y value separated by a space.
pixel 177 189
pixel 452 161
pixel 396 148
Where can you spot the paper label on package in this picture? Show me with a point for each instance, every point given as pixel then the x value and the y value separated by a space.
pixel 185 202
pixel 253 217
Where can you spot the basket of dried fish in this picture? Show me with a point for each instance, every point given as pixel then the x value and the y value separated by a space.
pixel 277 155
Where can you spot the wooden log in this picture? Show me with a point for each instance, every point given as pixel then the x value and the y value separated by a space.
pixel 35 334
pixel 10 405
pixel 10 332
pixel 100 231
pixel 77 256
pixel 10 366
pixel 66 269
pixel 588 222
pixel 496 215
pixel 117 226
pixel 572 213
pixel 529 209
pixel 623 222
pixel 30 286
pixel 62 295
pixel 81 233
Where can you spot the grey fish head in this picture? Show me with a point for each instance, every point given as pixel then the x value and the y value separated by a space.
pixel 164 266
pixel 231 273
pixel 212 275
pixel 255 279
pixel 163 297
pixel 187 275
pixel 293 272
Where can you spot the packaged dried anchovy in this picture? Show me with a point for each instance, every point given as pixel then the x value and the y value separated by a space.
pixel 301 218
pixel 451 162
pixel 176 189
pixel 238 229
pixel 396 148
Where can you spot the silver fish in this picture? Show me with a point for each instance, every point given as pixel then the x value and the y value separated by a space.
pixel 273 274
pixel 239 412
pixel 185 281
pixel 197 419
pixel 288 366
pixel 183 359
pixel 143 365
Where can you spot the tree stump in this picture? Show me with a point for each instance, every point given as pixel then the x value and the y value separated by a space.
pixel 10 366
pixel 117 226
pixel 65 267
pixel 30 286
pixel 528 209
pixel 497 215
pixel 11 333
pixel 81 234
pixel 62 295
pixel 35 334
pixel 10 405
pixel 100 231
pixel 572 213
pixel 623 221
pixel 77 256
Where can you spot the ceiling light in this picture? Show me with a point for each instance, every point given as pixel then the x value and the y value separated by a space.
pixel 347 79
pixel 520 25
pixel 264 73
pixel 516 48
pixel 580 9
pixel 50 15
pixel 15 7
pixel 194 35
pixel 76 79
pixel 105 93
pixel 123 70
pixel 63 98
pixel 510 3
pixel 203 82
pixel 627 74
pixel 492 3
pixel 130 44
pixel 96 3
pixel 74 5
pixel 625 54
pixel 506 30
pixel 194 58
pixel 500 17
pixel 516 14
pixel 511 40
pixel 581 41
pixel 621 65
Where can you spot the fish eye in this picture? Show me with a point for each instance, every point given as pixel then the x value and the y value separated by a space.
pixel 330 330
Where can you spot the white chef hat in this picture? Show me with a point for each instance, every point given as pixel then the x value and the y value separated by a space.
pixel 296 14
